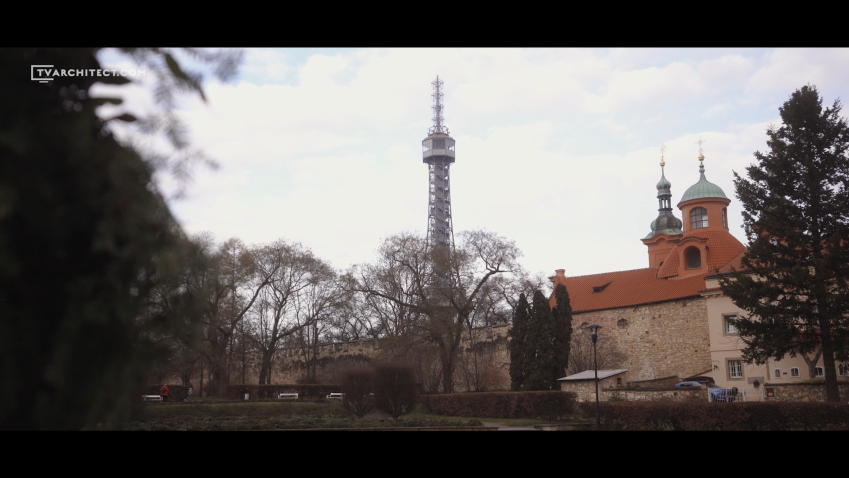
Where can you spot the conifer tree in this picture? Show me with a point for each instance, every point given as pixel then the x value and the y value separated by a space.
pixel 518 336
pixel 539 346
pixel 796 216
pixel 562 314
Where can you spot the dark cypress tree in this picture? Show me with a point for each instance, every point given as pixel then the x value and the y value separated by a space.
pixel 796 215
pixel 518 336
pixel 562 314
pixel 540 346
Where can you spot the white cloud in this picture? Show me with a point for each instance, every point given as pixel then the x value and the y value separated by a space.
pixel 556 149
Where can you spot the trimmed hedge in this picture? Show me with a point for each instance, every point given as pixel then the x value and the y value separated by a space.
pixel 259 392
pixel 176 393
pixel 668 415
pixel 548 405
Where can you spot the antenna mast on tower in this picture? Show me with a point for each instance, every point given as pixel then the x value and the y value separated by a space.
pixel 437 96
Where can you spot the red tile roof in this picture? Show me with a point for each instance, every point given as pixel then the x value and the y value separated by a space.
pixel 670 264
pixel 646 286
pixel 735 263
pixel 627 288
pixel 722 248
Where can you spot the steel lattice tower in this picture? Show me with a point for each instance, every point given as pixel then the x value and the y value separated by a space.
pixel 438 154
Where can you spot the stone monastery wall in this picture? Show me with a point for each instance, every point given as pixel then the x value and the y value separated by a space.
pixel 658 340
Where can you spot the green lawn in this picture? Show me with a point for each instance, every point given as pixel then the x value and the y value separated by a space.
pixel 272 416
pixel 510 422
pixel 220 414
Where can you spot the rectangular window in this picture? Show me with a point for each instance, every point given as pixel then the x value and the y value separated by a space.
pixel 730 324
pixel 842 370
pixel 735 369
pixel 778 373
pixel 820 372
pixel 794 372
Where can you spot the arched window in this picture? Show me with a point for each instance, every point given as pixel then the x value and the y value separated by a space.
pixel 693 257
pixel 623 324
pixel 725 217
pixel 698 218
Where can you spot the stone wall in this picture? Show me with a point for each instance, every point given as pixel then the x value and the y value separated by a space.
pixel 585 392
pixel 645 394
pixel 799 392
pixel 658 340
pixel 484 362
pixel 664 382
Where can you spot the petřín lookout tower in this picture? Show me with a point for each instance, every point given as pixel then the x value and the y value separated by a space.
pixel 438 154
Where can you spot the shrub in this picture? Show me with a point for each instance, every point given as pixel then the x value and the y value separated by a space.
pixel 357 385
pixel 665 415
pixel 319 390
pixel 176 393
pixel 395 389
pixel 548 405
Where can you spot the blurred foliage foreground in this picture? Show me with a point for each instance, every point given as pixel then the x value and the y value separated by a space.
pixel 84 237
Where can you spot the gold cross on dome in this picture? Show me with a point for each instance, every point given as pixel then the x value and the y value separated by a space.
pixel 700 142
pixel 662 152
pixel 771 129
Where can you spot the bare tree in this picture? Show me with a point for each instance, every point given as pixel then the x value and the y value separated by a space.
pixel 394 388
pixel 437 287
pixel 281 309
pixel 358 387
pixel 228 285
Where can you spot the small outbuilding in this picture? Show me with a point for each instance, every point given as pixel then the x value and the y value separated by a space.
pixel 583 384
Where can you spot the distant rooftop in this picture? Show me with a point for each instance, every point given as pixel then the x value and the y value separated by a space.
pixel 590 374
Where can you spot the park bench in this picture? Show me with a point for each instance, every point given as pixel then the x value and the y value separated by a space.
pixel 290 396
pixel 151 398
pixel 335 396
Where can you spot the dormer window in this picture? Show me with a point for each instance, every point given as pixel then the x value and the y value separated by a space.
pixel 600 288
pixel 698 218
pixel 693 258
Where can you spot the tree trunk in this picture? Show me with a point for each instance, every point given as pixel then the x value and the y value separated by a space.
pixel 265 370
pixel 812 364
pixel 832 391
pixel 447 373
pixel 220 372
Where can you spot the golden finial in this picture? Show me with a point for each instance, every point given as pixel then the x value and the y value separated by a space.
pixel 770 128
pixel 700 142
pixel 662 151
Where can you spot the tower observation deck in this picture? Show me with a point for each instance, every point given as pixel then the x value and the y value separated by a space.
pixel 438 154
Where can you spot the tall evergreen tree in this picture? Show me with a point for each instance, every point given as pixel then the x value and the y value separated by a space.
pixel 539 346
pixel 796 216
pixel 518 336
pixel 86 242
pixel 562 314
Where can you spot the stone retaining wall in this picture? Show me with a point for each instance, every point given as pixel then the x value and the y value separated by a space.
pixel 664 382
pixel 801 392
pixel 643 394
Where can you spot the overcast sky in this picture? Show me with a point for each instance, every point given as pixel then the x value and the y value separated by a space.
pixel 557 149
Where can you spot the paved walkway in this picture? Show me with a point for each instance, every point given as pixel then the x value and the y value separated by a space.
pixel 501 427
